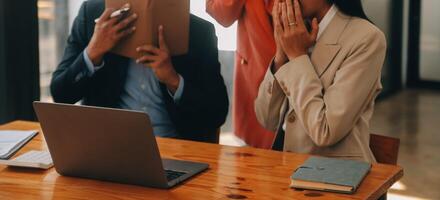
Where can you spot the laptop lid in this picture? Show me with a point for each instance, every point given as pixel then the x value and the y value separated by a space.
pixel 102 143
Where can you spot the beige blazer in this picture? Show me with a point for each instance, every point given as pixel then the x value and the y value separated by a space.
pixel 327 99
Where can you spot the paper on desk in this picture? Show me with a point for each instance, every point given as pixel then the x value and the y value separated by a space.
pixel 11 141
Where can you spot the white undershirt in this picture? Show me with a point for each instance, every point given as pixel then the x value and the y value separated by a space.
pixel 327 19
pixel 322 26
pixel 325 22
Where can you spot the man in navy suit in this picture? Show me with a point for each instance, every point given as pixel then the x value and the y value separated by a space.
pixel 185 96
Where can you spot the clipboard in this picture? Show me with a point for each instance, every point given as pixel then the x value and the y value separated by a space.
pixel 174 15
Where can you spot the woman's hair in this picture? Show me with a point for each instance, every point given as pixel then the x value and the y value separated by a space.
pixel 353 8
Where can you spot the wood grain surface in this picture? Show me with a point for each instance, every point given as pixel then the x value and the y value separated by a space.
pixel 234 173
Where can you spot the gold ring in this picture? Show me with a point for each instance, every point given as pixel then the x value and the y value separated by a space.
pixel 293 24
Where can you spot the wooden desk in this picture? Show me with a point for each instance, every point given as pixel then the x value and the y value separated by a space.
pixel 235 173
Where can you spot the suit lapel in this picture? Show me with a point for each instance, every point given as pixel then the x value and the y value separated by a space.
pixel 322 56
pixel 327 46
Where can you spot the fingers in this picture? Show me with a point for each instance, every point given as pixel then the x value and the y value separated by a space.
pixel 127 21
pixel 105 15
pixel 162 44
pixel 298 13
pixel 275 8
pixel 315 30
pixel 276 18
pixel 147 59
pixel 284 19
pixel 125 32
pixel 290 12
pixel 279 11
pixel 149 49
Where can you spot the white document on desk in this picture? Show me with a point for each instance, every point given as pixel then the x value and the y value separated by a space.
pixel 11 141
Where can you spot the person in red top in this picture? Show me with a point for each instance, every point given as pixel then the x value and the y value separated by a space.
pixel 256 47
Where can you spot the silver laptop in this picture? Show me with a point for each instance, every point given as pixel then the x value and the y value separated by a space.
pixel 110 145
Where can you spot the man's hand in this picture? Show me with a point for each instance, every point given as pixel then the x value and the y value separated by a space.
pixel 159 60
pixel 108 32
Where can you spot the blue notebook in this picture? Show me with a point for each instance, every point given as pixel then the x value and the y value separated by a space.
pixel 328 174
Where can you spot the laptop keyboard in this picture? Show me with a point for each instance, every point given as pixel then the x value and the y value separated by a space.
pixel 171 175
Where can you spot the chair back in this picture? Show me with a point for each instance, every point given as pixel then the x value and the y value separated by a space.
pixel 385 149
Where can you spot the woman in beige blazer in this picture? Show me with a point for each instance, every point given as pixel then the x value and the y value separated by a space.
pixel 323 94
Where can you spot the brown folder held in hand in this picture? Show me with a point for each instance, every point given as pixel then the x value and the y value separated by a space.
pixel 174 15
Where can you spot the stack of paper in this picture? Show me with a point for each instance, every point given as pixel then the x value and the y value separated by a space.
pixel 12 141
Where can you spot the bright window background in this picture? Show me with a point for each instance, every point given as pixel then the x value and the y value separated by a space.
pixel 227 37
pixel 47 43
pixel 430 41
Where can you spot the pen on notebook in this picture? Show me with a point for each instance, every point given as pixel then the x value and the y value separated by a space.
pixel 118 13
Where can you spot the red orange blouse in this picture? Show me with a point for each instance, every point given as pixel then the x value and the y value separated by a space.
pixel 255 49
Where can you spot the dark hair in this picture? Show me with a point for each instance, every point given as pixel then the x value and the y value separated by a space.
pixel 352 8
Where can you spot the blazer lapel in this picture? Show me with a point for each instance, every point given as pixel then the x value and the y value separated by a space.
pixel 323 55
pixel 327 46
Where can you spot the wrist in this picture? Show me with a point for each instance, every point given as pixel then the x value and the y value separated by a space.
pixel 292 56
pixel 173 83
pixel 280 55
pixel 279 61
pixel 94 56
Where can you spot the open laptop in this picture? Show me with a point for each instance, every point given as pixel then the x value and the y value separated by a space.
pixel 110 145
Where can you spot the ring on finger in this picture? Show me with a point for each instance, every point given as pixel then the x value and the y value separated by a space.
pixel 293 24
